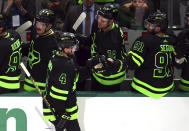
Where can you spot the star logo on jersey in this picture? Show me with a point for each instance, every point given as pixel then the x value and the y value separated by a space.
pixel 165 41
pixel 33 56
pixel 12 39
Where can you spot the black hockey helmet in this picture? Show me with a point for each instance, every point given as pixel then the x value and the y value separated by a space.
pixel 158 19
pixel 108 11
pixel 3 20
pixel 46 16
pixel 67 40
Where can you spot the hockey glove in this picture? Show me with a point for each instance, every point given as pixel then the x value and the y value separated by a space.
pixel 182 50
pixel 112 66
pixel 61 121
pixel 185 48
pixel 179 61
pixel 94 62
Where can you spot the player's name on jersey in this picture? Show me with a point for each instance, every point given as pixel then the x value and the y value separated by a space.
pixel 167 48
pixel 15 45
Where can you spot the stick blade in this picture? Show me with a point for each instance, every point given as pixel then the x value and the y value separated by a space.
pixel 24 27
pixel 79 20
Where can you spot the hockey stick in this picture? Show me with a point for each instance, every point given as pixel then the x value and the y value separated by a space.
pixel 24 27
pixel 62 121
pixel 79 21
pixel 38 89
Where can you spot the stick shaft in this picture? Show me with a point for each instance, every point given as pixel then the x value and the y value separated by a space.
pixel 38 89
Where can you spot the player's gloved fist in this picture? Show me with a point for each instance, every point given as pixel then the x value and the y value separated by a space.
pixel 179 61
pixel 61 121
pixel 185 48
pixel 92 62
pixel 182 50
pixel 112 66
pixel 179 53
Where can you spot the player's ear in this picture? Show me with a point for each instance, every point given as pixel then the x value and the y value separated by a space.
pixel 66 50
pixel 111 21
pixel 157 29
pixel 50 26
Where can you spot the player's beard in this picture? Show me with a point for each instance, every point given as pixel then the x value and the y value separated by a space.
pixel 70 55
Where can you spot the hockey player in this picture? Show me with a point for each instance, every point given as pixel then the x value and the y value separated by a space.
pixel 152 58
pixel 63 74
pixel 183 52
pixel 107 40
pixel 41 49
pixel 10 46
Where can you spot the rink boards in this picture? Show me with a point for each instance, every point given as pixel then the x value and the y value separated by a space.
pixel 119 111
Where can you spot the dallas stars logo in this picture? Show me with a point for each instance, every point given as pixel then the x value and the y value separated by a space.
pixel 33 56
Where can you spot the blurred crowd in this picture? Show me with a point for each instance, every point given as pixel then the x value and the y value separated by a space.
pixel 132 13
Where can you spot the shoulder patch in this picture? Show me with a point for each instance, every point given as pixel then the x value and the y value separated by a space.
pixel 138 46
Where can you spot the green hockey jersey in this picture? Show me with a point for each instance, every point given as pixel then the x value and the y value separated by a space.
pixel 152 58
pixel 111 45
pixel 40 52
pixel 10 52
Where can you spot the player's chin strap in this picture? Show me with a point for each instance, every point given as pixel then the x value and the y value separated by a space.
pixel 47 28
pixel 69 54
